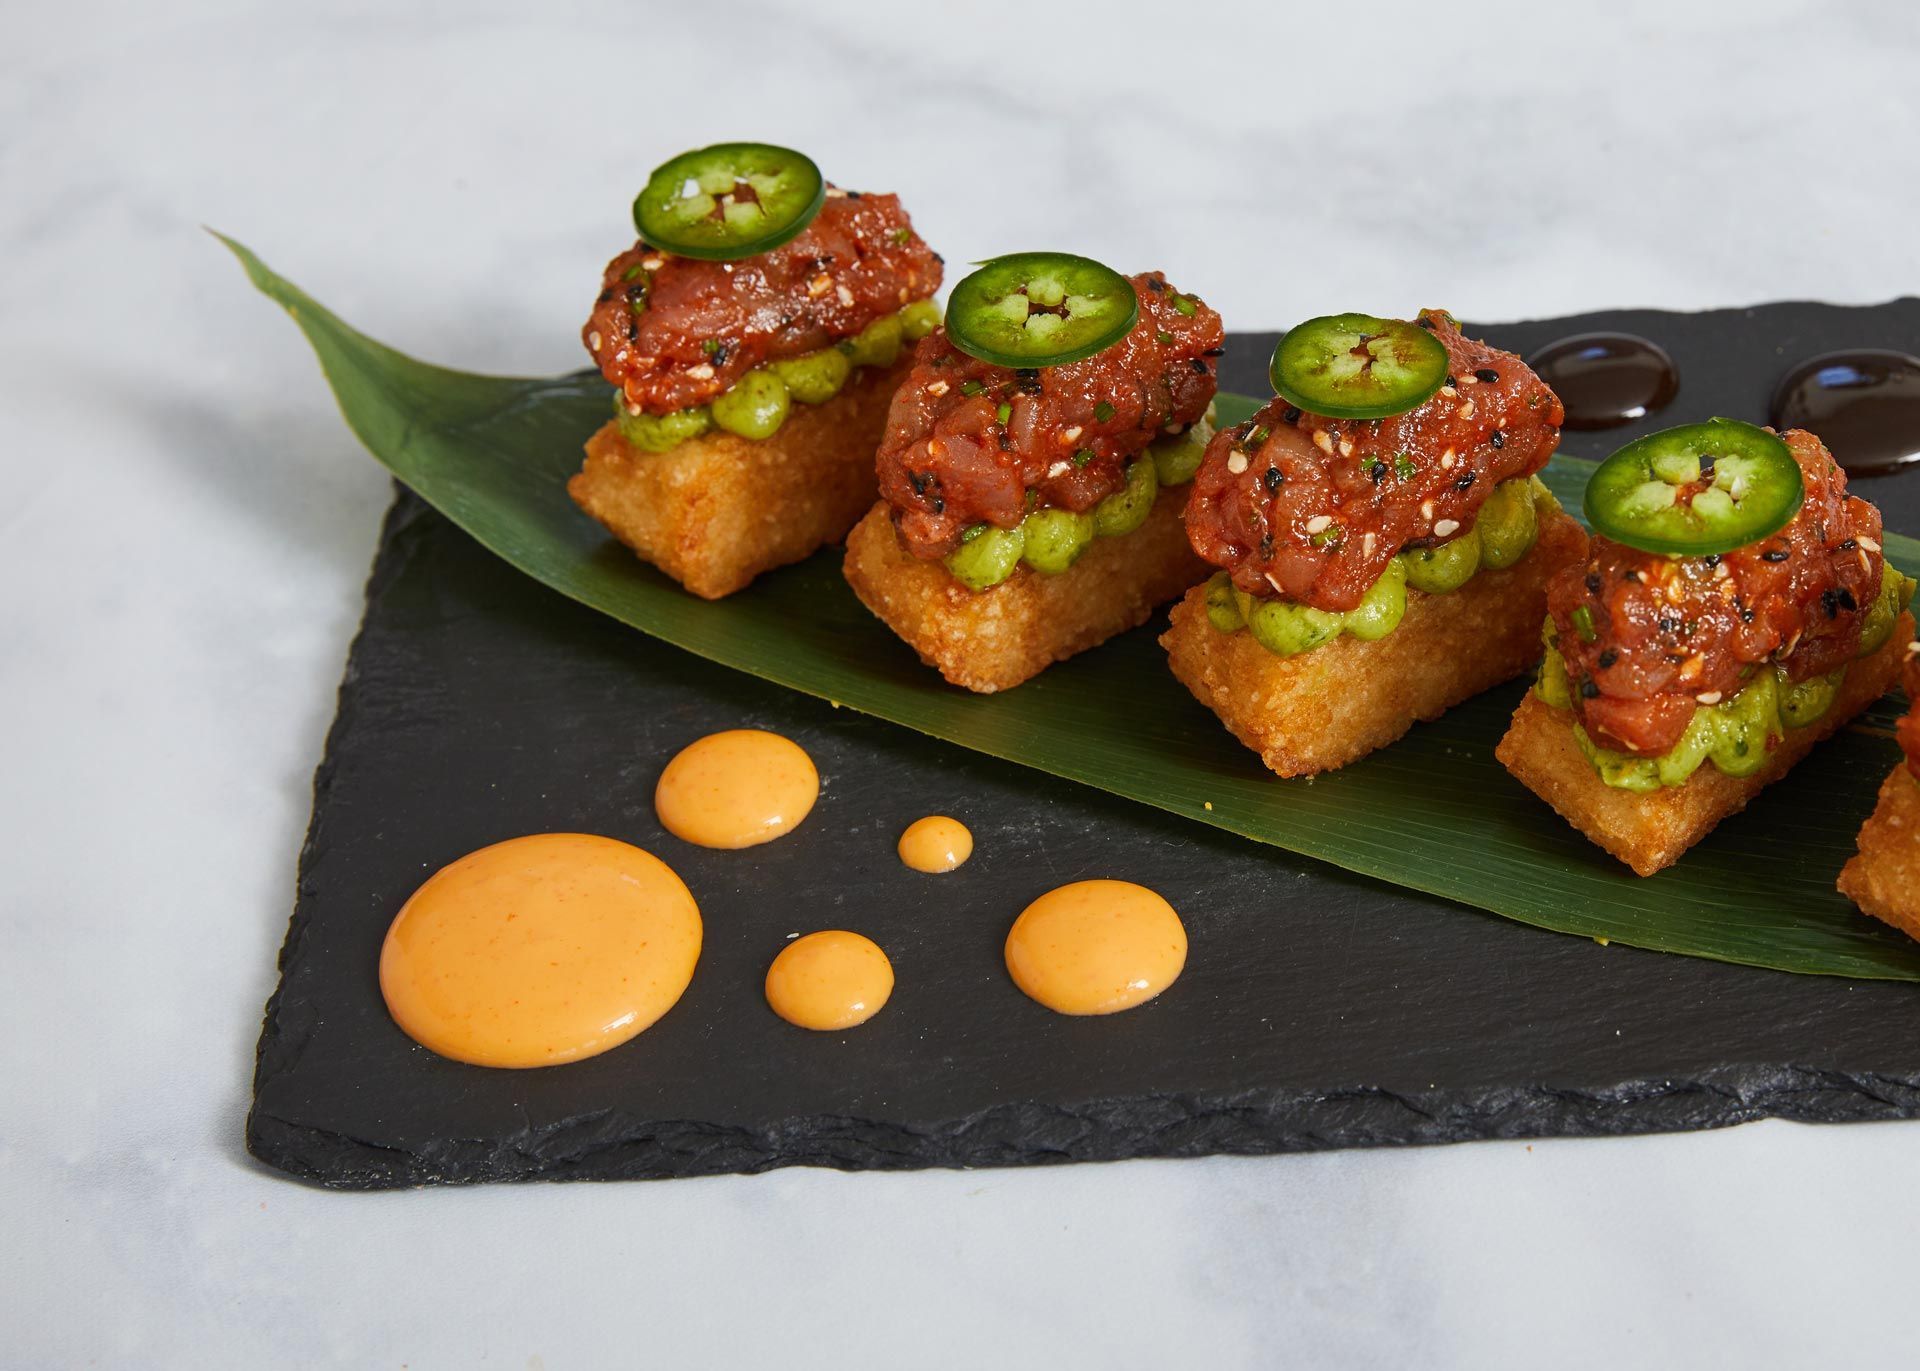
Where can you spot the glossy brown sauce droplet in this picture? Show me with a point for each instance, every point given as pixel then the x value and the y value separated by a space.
pixel 1864 404
pixel 1607 379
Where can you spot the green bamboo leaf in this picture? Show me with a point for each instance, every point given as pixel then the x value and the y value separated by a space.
pixel 1435 812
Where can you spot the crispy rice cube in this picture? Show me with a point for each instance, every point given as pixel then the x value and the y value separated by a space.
pixel 1651 832
pixel 994 639
pixel 1335 704
pixel 1884 880
pixel 716 511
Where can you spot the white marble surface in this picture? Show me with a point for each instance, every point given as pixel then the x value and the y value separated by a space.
pixel 186 527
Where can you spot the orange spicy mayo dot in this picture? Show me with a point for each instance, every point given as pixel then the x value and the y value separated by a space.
pixel 540 950
pixel 736 789
pixel 1096 947
pixel 935 843
pixel 829 980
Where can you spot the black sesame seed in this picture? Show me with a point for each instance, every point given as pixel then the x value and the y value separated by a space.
pixel 939 505
pixel 1028 380
pixel 1464 482
pixel 1849 545
pixel 1214 352
pixel 1487 374
pixel 1427 324
pixel 1291 416
pixel 1378 471
pixel 1666 623
pixel 1847 602
pixel 1830 601
pixel 1778 554
pixel 1198 365
pixel 1593 582
pixel 1498 437
pixel 1450 379
pixel 605 296
pixel 1272 478
pixel 919 480
pixel 1711 559
pixel 1154 283
pixel 1589 691
pixel 1608 658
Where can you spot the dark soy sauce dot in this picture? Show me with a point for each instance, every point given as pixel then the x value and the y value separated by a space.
pixel 1864 405
pixel 1607 379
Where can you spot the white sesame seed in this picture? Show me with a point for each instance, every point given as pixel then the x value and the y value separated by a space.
pixel 1236 462
pixel 1346 447
pixel 651 263
pixel 846 296
pixel 1367 545
pixel 1869 545
pixel 1720 572
pixel 835 193
pixel 1071 435
pixel 1448 391
pixel 1469 380
pixel 1426 509
pixel 633 409
pixel 1446 460
pixel 1866 563
pixel 1059 469
pixel 1466 410
pixel 1708 697
pixel 593 340
pixel 819 286
pixel 1446 528
pixel 703 372
pixel 938 388
pixel 1318 523
pixel 1322 441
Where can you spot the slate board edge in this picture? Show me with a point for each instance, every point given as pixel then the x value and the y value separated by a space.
pixel 1184 1125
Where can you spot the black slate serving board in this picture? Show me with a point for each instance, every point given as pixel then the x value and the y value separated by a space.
pixel 1318 1009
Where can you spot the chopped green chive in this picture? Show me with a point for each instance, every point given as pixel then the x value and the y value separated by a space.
pixel 1403 466
pixel 902 235
pixel 1329 537
pixel 1163 337
pixel 711 346
pixel 1083 456
pixel 632 273
pixel 973 531
pixel 1004 413
pixel 1102 412
pixel 1185 304
pixel 971 387
pixel 1583 624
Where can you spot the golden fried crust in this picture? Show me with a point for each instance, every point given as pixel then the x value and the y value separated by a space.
pixel 1884 880
pixel 1651 832
pixel 1333 705
pixel 993 639
pixel 718 510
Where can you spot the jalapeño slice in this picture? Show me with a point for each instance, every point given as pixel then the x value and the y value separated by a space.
pixel 1040 309
pixel 1696 490
pixel 1354 366
pixel 729 201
